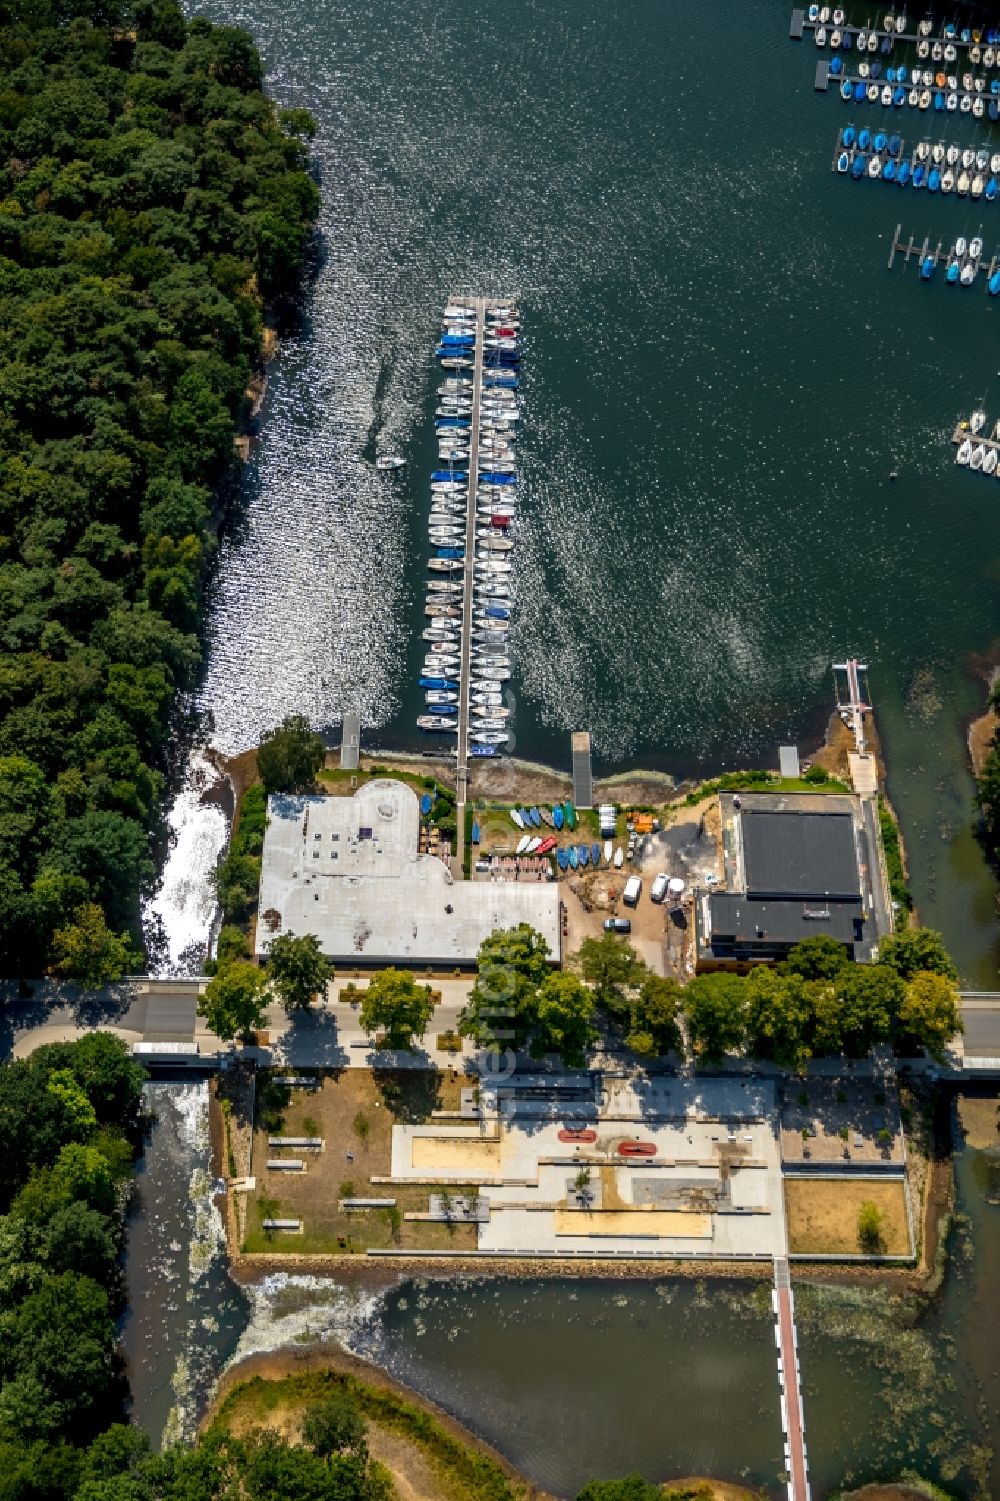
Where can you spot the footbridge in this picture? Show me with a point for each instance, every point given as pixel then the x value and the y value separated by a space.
pixel 790 1384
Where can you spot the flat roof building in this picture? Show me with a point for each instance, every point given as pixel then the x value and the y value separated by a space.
pixel 348 870
pixel 796 865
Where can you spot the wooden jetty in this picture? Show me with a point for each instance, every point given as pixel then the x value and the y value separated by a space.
pixel 800 24
pixel 462 777
pixel 908 248
pixel 963 431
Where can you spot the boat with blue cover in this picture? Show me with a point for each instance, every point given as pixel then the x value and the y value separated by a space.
pixel 881 140
pixel 562 855
pixel 836 64
pixel 535 817
pixel 483 750
pixel 558 817
pixel 843 162
pixel 442 476
pixel 919 175
pixel 952 274
pixel 595 854
pixel 933 180
pixel 847 91
pixel 574 858
pixel 889 171
pixel 895 144
pixel 858 166
pixel 582 855
pixel 864 138
pixel 495 477
pixel 898 96
pixel 848 136
pixel 903 173
pixel 993 285
pixel 859 93
pixel 445 683
pixel 426 803
pixel 927 268
pixel 991 190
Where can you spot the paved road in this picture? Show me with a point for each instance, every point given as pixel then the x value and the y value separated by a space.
pixel 981 1018
pixel 328 1035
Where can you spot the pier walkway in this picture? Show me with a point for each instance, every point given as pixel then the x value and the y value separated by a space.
pixel 462 766
pixel 792 1419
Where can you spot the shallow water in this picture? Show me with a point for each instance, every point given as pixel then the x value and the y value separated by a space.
pixel 720 377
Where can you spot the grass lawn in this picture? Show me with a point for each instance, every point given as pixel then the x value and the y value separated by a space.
pixel 823 1215
pixel 354 1112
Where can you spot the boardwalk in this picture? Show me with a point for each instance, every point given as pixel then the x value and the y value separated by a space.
pixel 792 1420
pixel 462 769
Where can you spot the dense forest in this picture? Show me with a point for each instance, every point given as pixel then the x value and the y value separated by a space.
pixel 153 204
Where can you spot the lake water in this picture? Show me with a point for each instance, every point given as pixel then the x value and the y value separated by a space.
pixel 596 1377
pixel 720 376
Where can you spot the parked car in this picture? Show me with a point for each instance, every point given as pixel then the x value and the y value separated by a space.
pixel 617 925
pixel 658 890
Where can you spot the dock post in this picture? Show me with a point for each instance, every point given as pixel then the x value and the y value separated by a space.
pixel 909 250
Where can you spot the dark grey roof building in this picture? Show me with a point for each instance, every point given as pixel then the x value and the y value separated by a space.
pixel 796 864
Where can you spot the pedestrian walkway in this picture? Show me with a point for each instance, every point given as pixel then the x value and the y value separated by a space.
pixel 789 1379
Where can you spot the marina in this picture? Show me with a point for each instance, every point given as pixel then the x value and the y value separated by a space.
pixel 826 23
pixel 963 259
pixel 935 165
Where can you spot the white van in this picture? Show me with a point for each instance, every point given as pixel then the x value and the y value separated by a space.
pixel 633 891
pixel 658 890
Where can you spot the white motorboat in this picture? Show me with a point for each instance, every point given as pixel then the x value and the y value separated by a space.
pixel 961 246
pixel 948 181
pixel 978 455
pixel 886 95
pixel 445 586
pixel 820 36
pixel 873 41
pixel 990 461
pixel 964 451
pixel 446 565
pixel 927 78
pixel 873 93
pixel 964 183
pixel 875 167
pixel 968 275
pixel 982 159
pixel 926 27
pixel 923 49
pixel 950 52
pixel 459 310
pixel 900 25
pixel 965 104
pixel 824 14
pixel 976 247
pixel 937 52
pixel 952 155
pixel 923 150
pixel 440 696
pixel 490 737
pixel 389 462
pixel 925 99
pixel 441 722
pixel 977 422
pixel 951 103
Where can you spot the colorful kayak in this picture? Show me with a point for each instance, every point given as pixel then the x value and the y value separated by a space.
pixel 557 816
pixel 595 854
pixel 563 857
pixel 583 855
pixel 574 858
pixel 536 817
pixel 570 814
pixel 547 817
pixel 515 818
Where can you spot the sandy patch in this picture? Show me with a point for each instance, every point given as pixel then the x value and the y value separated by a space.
pixel 448 1154
pixel 823 1215
pixel 673 1223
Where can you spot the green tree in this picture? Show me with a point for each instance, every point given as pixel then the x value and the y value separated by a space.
pixel 654 1025
pixel 88 952
pixel 913 951
pixel 397 1007
pixel 818 958
pixel 335 1425
pixel 871 996
pixel 511 965
pixel 234 1002
pixel 56 1360
pixel 871 1238
pixel 290 756
pixel 928 1016
pixel 632 1488
pixel 298 969
pixel 778 1016
pixel 611 965
pixel 714 1007
pixel 63 1084
pixel 562 1019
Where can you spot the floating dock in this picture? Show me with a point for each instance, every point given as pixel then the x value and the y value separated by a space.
pixel 909 248
pixel 800 24
pixel 964 431
pixel 465 673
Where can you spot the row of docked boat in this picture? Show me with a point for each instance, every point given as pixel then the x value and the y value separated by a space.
pixel 561 816
pixel 921 98
pixel 936 167
pixel 977 452
pixel 487 479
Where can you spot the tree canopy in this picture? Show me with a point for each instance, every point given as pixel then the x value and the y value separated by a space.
pixel 913 951
pixel 298 969
pixel 395 1006
pixel 290 756
pixel 234 1002
pixel 152 203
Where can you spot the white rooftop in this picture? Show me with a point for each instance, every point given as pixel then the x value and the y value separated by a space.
pixel 347 870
